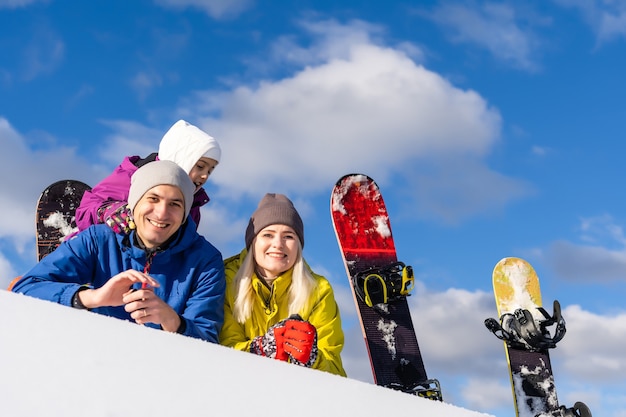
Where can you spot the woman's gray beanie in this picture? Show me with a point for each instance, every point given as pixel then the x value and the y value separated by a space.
pixel 274 209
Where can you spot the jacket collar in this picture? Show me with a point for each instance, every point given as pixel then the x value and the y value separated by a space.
pixel 179 242
pixel 280 286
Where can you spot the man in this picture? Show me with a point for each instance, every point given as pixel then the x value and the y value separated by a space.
pixel 163 274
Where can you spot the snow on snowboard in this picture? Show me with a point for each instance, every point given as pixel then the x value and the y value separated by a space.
pixel 524 327
pixel 380 285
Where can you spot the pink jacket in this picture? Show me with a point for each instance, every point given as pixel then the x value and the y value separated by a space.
pixel 115 188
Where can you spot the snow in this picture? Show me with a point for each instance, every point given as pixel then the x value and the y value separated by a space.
pixel 529 406
pixel 58 221
pixel 340 192
pixel 59 361
pixel 382 226
pixel 519 281
pixel 387 330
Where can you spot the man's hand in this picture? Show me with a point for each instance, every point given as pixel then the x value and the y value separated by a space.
pixel 112 293
pixel 145 306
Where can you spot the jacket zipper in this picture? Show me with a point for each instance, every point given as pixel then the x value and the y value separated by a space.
pixel 268 302
pixel 146 269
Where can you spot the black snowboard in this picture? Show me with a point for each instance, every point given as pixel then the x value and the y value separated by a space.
pixel 56 211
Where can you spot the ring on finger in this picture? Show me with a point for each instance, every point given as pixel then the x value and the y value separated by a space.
pixel 145 312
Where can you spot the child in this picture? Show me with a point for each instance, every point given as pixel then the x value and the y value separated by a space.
pixel 192 149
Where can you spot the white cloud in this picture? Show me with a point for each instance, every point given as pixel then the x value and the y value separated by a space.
pixel 453 189
pixel 597 338
pixel 359 107
pixel 83 92
pixel 48 163
pixel 333 40
pixel 222 227
pixel 144 82
pixel 217 9
pixel 612 25
pixel 601 229
pixel 539 150
pixel 602 257
pixel 15 4
pixel 44 165
pixel 455 316
pixel 497 27
pixel 43 54
pixel 586 263
pixel 487 393
pixel 606 18
pixel 129 138
pixel 7 272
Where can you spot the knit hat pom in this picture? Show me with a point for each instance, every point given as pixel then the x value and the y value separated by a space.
pixel 274 209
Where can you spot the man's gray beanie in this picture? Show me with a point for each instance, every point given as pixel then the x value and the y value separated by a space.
pixel 160 173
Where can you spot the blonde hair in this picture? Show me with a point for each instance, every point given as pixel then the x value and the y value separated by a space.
pixel 303 284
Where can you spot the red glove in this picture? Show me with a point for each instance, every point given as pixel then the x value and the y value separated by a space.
pixel 300 341
pixel 271 344
pixel 279 337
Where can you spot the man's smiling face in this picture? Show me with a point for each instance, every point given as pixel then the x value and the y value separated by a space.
pixel 159 213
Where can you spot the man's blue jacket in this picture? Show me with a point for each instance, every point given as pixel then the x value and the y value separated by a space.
pixel 190 271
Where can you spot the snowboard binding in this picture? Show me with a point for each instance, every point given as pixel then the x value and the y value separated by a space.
pixel 578 410
pixel 376 286
pixel 520 330
pixel 429 389
pixel 406 372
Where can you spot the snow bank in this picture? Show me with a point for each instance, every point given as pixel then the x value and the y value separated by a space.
pixel 64 362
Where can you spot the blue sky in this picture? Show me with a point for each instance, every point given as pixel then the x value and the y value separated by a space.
pixel 494 129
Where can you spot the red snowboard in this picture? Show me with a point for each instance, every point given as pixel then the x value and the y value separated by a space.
pixel 379 285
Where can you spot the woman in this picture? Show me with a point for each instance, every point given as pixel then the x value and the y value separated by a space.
pixel 275 306
pixel 191 148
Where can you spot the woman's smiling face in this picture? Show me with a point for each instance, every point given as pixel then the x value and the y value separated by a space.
pixel 275 249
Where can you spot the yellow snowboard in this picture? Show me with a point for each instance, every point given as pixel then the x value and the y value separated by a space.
pixel 515 286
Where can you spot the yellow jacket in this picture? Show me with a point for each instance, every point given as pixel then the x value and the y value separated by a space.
pixel 271 306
